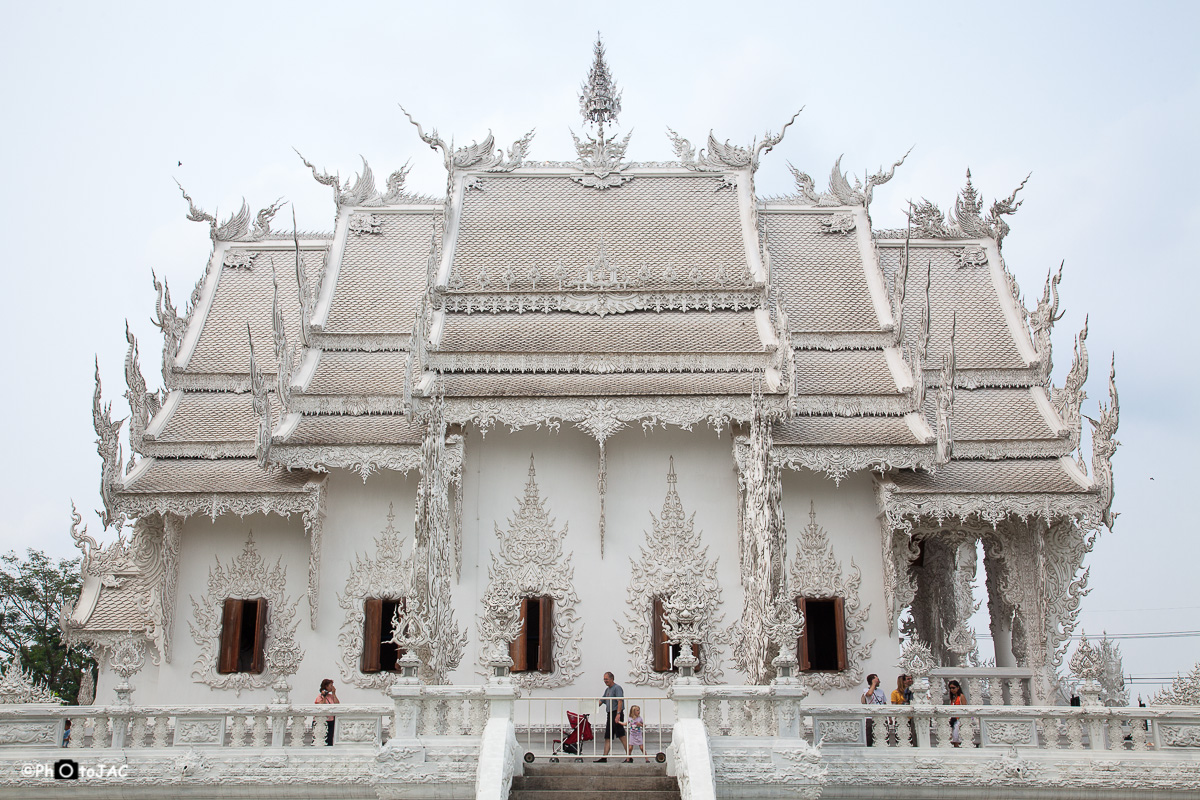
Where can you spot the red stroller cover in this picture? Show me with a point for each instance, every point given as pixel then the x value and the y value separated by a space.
pixel 581 731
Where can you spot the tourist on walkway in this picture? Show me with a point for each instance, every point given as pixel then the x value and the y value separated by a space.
pixel 900 693
pixel 956 699
pixel 614 703
pixel 873 696
pixel 637 732
pixel 328 695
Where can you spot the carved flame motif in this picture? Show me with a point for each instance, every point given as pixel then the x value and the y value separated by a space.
pixel 529 562
pixel 816 574
pixel 246 577
pixel 673 559
pixel 387 575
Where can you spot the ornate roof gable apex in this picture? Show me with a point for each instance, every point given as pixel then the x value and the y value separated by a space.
pixel 841 192
pixel 237 228
pixel 722 156
pixel 484 156
pixel 601 158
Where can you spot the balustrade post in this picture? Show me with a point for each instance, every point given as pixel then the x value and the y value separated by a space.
pixel 788 715
pixel 922 710
pixel 406 697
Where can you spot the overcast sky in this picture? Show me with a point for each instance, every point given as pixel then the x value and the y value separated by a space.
pixel 1099 101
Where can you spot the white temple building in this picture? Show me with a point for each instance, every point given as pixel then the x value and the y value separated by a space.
pixel 600 415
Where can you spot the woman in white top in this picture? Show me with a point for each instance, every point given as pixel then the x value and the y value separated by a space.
pixel 873 696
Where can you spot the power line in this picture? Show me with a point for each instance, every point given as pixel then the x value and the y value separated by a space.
pixel 1147 635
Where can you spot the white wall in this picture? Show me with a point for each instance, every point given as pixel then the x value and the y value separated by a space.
pixel 495 472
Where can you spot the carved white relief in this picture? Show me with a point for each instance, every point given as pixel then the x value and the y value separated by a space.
pixel 971 256
pixel 18 686
pixel 839 731
pixel 247 577
pixel 386 575
pixel 839 223
pixel 1180 735
pixel 43 733
pixel 816 574
pixel 366 224
pixel 838 461
pixel 841 193
pixel 529 562
pixel 239 259
pixel 672 560
pixel 1183 691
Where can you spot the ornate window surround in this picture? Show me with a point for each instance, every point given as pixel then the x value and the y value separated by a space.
pixel 388 575
pixel 530 563
pixel 816 575
pixel 671 558
pixel 247 577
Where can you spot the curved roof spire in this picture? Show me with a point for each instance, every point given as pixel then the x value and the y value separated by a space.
pixel 600 101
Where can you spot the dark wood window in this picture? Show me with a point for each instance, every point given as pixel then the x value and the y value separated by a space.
pixel 243 629
pixel 379 625
pixel 533 649
pixel 822 645
pixel 665 653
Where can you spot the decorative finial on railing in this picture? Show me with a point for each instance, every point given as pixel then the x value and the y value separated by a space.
pixel 601 100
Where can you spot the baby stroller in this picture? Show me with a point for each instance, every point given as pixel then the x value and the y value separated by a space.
pixel 572 741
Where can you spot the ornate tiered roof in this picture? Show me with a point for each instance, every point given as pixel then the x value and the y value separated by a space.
pixel 603 293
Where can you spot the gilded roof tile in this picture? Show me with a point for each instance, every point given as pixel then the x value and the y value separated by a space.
pixel 844 431
pixel 352 373
pixel 994 415
pixel 843 372
pixel 213 417
pixel 202 476
pixel 680 222
pixel 636 332
pixel 372 429
pixel 382 276
pixel 605 385
pixel 1019 476
pixel 244 296
pixel 984 339
pixel 820 274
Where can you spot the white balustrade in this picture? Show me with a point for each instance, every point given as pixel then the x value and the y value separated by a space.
pixel 544 729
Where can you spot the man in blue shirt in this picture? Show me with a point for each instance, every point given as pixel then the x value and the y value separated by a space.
pixel 614 700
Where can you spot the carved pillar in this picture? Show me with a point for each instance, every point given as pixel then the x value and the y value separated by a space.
pixel 1000 610
pixel 762 547
pixel 432 553
pixel 942 604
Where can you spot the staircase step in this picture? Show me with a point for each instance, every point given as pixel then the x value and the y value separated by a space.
pixel 568 766
pixel 611 782
pixel 606 794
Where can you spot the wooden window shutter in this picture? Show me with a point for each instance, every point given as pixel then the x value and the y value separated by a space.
pixel 839 621
pixel 802 643
pixel 659 644
pixel 519 647
pixel 696 655
pixel 372 633
pixel 231 628
pixel 258 662
pixel 545 654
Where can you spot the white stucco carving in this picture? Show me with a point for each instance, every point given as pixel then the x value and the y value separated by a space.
pixel 247 577
pixel 672 559
pixel 530 562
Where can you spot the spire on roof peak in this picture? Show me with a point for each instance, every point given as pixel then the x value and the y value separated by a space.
pixel 600 101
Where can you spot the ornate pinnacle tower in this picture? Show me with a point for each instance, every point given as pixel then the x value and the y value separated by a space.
pixel 600 101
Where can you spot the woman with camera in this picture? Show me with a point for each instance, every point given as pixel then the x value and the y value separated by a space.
pixel 328 695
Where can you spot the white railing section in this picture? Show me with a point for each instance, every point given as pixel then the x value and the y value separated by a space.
pixel 985 686
pixel 544 729
pixel 1045 728
pixel 750 711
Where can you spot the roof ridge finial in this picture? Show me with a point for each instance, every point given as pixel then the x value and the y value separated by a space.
pixel 601 100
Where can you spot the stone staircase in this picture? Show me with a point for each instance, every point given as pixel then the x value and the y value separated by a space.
pixel 587 780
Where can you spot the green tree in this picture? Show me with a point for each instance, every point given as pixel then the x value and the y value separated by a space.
pixel 33 592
